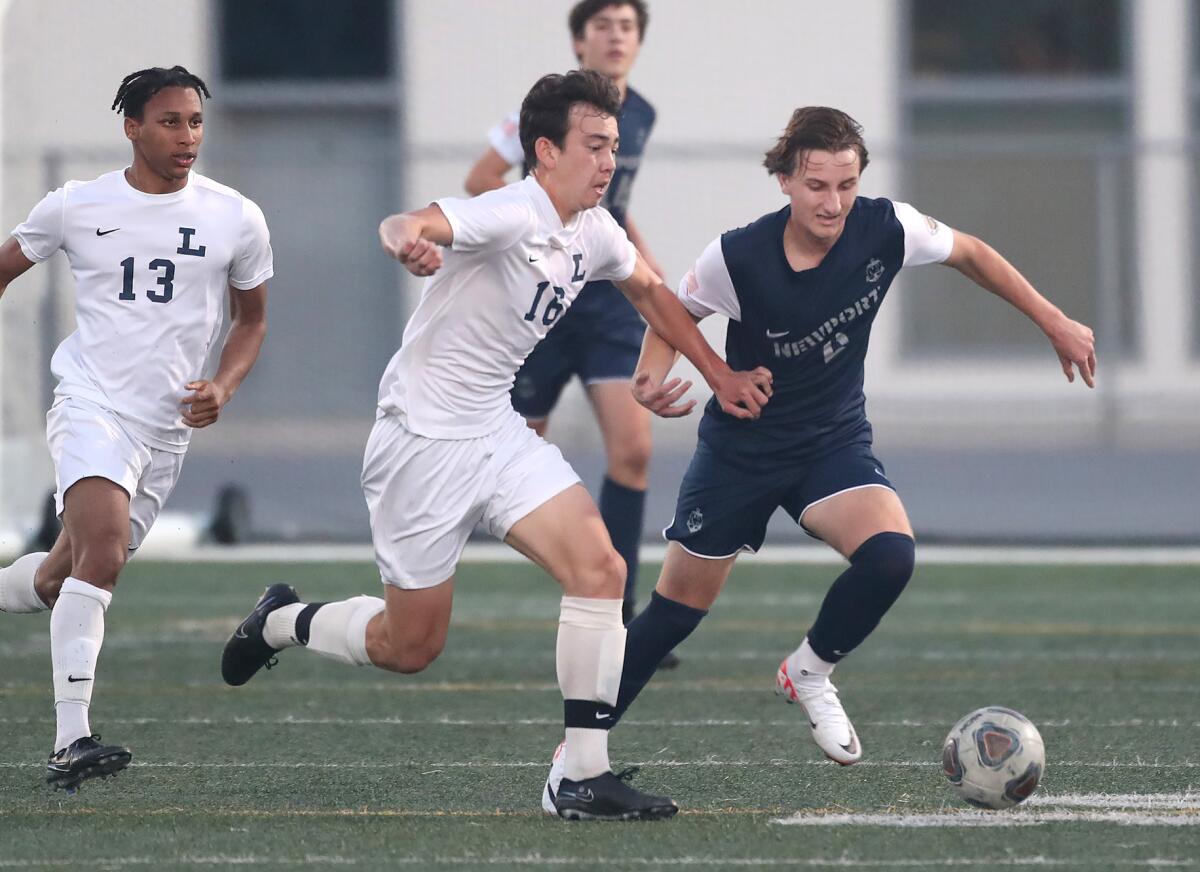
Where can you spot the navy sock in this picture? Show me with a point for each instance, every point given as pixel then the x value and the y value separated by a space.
pixel 304 621
pixel 861 596
pixel 662 625
pixel 621 508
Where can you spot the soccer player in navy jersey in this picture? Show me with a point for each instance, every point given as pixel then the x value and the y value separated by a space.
pixel 599 339
pixel 801 288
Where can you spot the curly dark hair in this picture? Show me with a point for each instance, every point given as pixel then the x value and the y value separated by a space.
pixel 546 109
pixel 815 128
pixel 137 88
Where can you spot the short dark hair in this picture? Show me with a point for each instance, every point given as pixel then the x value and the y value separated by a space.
pixel 582 12
pixel 815 128
pixel 137 88
pixel 546 109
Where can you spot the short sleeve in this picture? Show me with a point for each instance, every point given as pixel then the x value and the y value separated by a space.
pixel 493 221
pixel 707 289
pixel 926 240
pixel 505 137
pixel 622 256
pixel 253 263
pixel 41 234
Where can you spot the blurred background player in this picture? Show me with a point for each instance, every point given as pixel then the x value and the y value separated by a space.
pixel 448 451
pixel 801 288
pixel 154 249
pixel 599 339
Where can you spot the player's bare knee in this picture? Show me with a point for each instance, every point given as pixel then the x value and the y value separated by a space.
pixel 100 564
pixel 412 657
pixel 600 577
pixel 629 460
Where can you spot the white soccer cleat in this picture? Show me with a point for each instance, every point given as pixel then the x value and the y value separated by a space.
pixel 831 728
pixel 558 767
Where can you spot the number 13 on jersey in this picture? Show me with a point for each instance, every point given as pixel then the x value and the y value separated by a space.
pixel 166 280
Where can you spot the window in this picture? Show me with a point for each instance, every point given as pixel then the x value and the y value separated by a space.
pixel 1017 118
pixel 1016 37
pixel 305 40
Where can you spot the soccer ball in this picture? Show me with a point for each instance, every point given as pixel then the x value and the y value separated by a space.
pixel 994 758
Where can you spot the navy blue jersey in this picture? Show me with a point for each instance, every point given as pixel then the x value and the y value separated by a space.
pixel 810 329
pixel 634 125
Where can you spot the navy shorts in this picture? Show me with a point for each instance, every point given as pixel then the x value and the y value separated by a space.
pixel 723 507
pixel 599 339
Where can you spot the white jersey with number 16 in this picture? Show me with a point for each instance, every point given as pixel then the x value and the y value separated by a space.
pixel 511 273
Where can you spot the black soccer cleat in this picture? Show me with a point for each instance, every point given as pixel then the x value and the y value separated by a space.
pixel 84 758
pixel 609 797
pixel 247 651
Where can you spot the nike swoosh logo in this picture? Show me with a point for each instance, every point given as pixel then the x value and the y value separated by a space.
pixel 602 715
pixel 584 795
pixel 72 678
pixel 534 259
pixel 773 335
pixel 100 232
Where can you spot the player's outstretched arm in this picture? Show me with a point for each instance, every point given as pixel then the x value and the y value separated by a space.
pixel 414 239
pixel 741 394
pixel 248 329
pixel 12 263
pixel 1073 342
pixel 650 385
pixel 487 174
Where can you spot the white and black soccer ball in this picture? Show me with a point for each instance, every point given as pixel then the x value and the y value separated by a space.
pixel 994 758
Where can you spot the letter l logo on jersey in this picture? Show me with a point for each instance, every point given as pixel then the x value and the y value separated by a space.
pixel 185 247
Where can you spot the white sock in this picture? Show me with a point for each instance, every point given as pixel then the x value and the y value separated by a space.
pixel 804 663
pixel 279 631
pixel 590 655
pixel 76 634
pixel 339 630
pixel 17 594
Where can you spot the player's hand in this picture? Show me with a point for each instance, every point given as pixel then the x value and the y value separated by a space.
pixel 400 239
pixel 203 406
pixel 662 400
pixel 743 394
pixel 1075 345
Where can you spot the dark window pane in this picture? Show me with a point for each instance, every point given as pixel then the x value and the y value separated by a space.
pixel 305 39
pixel 1016 37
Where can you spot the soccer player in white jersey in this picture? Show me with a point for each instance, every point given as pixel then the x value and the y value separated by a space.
pixel 154 249
pixel 449 452
pixel 600 338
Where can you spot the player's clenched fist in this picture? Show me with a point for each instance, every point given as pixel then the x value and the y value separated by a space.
pixel 400 237
pixel 203 406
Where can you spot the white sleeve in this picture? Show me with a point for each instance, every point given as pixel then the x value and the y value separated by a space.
pixel 254 262
pixel 926 240
pixel 41 234
pixel 490 222
pixel 708 289
pixel 622 256
pixel 505 137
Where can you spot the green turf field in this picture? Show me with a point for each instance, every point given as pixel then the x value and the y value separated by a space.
pixel 320 765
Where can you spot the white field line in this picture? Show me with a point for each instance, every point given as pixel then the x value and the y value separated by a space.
pixel 982 819
pixel 290 721
pixel 1189 800
pixel 623 860
pixel 711 763
pixel 491 552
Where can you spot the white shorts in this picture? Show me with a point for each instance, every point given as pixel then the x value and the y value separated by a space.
pixel 425 496
pixel 89 441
